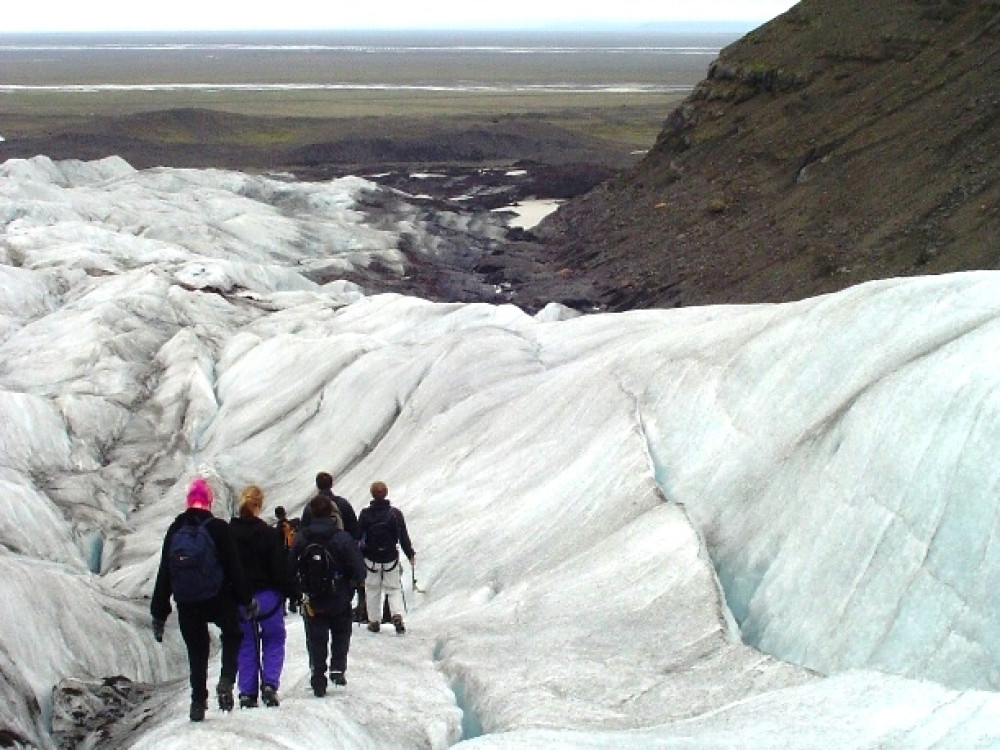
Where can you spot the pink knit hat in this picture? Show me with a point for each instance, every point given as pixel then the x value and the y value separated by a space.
pixel 199 495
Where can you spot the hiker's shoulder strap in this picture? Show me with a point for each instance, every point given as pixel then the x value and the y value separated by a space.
pixel 313 535
pixel 187 521
pixel 394 518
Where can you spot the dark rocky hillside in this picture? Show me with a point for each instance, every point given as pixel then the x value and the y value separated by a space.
pixel 841 142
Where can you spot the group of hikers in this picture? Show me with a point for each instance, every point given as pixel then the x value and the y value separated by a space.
pixel 244 575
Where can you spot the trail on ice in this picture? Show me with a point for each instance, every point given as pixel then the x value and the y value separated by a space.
pixel 395 697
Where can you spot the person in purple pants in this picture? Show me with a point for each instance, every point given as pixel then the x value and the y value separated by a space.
pixel 262 552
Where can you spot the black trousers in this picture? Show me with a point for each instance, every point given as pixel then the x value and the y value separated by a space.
pixel 193 620
pixel 329 633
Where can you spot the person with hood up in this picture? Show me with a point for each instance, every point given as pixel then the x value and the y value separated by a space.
pixel 265 561
pixel 382 528
pixel 348 521
pixel 200 568
pixel 328 567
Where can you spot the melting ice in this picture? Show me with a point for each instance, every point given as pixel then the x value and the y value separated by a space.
pixel 743 526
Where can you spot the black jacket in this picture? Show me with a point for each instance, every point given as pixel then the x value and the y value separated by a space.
pixel 345 553
pixel 377 511
pixel 234 585
pixel 345 509
pixel 262 551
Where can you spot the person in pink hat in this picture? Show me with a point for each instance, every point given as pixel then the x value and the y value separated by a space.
pixel 201 569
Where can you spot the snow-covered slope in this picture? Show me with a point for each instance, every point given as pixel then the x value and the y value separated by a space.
pixel 601 505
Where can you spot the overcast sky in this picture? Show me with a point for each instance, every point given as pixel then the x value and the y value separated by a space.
pixel 115 15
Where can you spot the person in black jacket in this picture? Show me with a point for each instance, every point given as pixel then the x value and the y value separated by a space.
pixel 382 528
pixel 349 522
pixel 287 527
pixel 265 560
pixel 328 618
pixel 324 487
pixel 220 608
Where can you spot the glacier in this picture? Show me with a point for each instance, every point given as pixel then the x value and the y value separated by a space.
pixel 733 526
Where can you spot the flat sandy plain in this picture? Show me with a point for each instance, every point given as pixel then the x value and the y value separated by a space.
pixel 315 104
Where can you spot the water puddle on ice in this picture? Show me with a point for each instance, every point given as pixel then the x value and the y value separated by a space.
pixel 530 213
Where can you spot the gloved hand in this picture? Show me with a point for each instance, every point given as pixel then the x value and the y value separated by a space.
pixel 294 602
pixel 158 626
pixel 252 610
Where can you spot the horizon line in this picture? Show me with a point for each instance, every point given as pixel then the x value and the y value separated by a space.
pixel 705 26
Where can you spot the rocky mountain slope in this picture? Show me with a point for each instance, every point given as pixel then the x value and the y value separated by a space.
pixel 841 142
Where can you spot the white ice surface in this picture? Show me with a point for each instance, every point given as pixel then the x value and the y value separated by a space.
pixel 581 490
pixel 529 213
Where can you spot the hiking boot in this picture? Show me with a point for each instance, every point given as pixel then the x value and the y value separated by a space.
pixel 397 622
pixel 337 678
pixel 269 694
pixel 248 701
pixel 318 682
pixel 373 627
pixel 198 709
pixel 225 692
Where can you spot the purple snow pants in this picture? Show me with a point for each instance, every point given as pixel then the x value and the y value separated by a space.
pixel 272 645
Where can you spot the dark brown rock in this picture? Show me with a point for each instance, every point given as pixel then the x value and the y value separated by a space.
pixel 839 143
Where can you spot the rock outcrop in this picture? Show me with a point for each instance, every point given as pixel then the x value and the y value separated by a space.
pixel 839 143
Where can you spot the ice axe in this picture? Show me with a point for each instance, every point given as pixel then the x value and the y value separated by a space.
pixel 413 578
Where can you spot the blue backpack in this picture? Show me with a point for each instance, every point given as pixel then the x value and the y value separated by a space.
pixel 195 571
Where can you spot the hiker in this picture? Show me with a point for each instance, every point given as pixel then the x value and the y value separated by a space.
pixel 287 527
pixel 382 528
pixel 200 568
pixel 328 567
pixel 348 522
pixel 348 518
pixel 265 561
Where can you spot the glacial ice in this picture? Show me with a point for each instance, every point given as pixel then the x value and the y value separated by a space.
pixel 763 525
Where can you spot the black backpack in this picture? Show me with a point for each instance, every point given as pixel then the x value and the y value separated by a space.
pixel 317 571
pixel 379 541
pixel 195 571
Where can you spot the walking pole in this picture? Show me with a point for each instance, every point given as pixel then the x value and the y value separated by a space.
pixel 260 658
